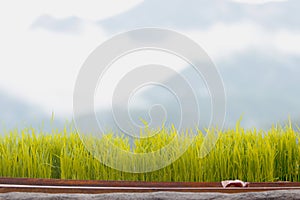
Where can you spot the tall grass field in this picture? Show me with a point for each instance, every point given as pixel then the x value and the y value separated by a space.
pixel 245 154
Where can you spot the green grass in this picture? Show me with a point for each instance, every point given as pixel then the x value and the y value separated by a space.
pixel 249 155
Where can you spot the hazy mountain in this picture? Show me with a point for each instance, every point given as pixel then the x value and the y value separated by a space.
pixel 178 14
pixel 15 113
pixel 196 14
pixel 71 25
pixel 261 87
pixel 256 88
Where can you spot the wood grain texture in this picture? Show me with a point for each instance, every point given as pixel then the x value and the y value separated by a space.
pixel 97 187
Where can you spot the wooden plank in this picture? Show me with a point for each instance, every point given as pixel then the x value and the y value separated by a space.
pixel 98 190
pixel 58 182
pixel 96 187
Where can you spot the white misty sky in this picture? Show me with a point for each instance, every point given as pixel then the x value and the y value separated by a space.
pixel 43 45
pixel 41 66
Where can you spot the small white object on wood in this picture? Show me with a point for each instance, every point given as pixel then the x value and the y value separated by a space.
pixel 234 183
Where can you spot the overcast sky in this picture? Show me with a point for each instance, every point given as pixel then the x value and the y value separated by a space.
pixel 255 44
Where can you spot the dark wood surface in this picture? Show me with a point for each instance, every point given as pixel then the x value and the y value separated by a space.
pixel 96 187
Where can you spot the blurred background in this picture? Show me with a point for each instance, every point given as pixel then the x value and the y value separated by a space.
pixel 255 45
